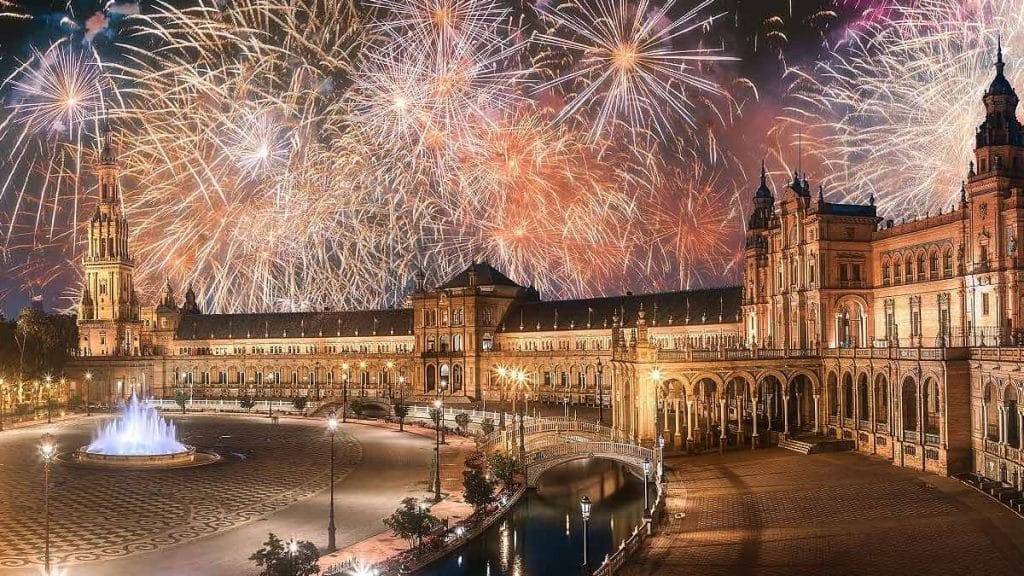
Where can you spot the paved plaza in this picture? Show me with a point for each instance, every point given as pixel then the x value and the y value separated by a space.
pixel 775 512
pixel 271 478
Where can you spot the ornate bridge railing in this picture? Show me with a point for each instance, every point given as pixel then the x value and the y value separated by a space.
pixel 533 426
pixel 542 460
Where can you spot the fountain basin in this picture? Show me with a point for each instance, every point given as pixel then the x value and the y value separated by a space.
pixel 187 458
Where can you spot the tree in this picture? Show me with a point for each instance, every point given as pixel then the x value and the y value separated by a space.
pixel 181 399
pixel 462 421
pixel 412 521
pixel 401 411
pixel 277 559
pixel 300 402
pixel 247 402
pixel 504 467
pixel 479 490
pixel 487 426
pixel 435 416
pixel 358 407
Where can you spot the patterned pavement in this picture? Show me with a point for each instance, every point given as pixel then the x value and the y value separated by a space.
pixel 102 514
pixel 776 512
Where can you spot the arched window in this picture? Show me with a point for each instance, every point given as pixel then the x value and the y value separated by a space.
pixel 933 265
pixel 886 270
pixel 487 342
pixel 431 378
pixel 897 266
pixel 430 343
pixel 847 396
pixel 947 262
pixel 881 400
pixel 909 405
pixel 456 378
pixel 445 376
pixel 444 343
pixel 920 266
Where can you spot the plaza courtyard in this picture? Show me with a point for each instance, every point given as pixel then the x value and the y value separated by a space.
pixel 205 520
pixel 775 512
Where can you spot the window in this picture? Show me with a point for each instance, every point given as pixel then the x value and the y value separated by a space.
pixel 984 304
pixel 849 232
pixel 897 271
pixel 886 269
pixel 933 265
pixel 908 275
pixel 487 343
pixel 920 266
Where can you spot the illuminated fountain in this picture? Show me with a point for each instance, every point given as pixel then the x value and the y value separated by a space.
pixel 138 438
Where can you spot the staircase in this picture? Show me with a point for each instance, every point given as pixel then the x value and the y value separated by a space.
pixel 816 444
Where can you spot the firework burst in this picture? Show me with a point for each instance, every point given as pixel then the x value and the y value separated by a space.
pixel 893 110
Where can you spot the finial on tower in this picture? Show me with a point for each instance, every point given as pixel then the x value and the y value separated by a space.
pixel 999 53
pixel 107 154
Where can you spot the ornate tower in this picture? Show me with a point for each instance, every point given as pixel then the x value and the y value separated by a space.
pixel 109 307
pixel 991 232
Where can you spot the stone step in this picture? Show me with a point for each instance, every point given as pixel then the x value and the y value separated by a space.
pixel 796 446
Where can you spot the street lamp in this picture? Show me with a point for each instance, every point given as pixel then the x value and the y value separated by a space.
pixel 585 511
pixel 441 389
pixel 49 398
pixel 647 477
pixel 600 392
pixel 502 381
pixel 332 425
pixel 401 400
pixel 48 449
pixel 3 398
pixel 88 393
pixel 520 383
pixel 293 549
pixel 438 404
pixel 661 459
pixel 344 392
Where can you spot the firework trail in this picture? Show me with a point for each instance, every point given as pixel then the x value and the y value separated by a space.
pixel 300 154
pixel 893 110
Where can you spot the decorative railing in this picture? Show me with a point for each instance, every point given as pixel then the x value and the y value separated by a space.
pixel 627 548
pixel 931 439
pixel 910 436
pixel 231 405
pixel 539 425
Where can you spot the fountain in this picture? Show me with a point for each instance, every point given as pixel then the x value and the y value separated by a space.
pixel 138 438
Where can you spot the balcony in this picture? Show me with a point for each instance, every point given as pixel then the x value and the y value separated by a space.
pixel 852 284
pixel 443 353
pixel 910 436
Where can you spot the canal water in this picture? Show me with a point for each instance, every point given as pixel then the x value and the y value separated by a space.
pixel 543 534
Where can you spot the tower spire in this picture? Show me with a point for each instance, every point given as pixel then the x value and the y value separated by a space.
pixel 999 54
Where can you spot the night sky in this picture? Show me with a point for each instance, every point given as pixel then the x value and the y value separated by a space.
pixel 766 35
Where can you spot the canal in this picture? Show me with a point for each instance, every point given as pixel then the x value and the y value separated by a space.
pixel 543 533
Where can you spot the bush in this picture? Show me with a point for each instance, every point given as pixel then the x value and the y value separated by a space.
pixel 401 411
pixel 412 521
pixel 487 426
pixel 181 399
pixel 462 421
pixel 276 559
pixel 300 402
pixel 504 467
pixel 247 403
pixel 479 489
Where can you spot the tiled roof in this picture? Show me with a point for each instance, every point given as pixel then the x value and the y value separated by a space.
pixel 486 275
pixel 395 322
pixel 709 306
pixel 847 209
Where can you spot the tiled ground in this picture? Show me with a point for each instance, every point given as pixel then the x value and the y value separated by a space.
pixel 98 514
pixel 776 512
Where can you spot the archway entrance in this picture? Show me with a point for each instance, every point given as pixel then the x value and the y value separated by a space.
pixel 801 404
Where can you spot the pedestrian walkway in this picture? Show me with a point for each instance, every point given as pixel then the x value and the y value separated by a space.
pixel 774 512
pixel 452 507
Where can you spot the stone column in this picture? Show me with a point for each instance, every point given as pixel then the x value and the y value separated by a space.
pixel 1002 423
pixel 724 424
pixel 678 438
pixel 691 415
pixel 667 430
pixel 817 429
pixel 799 418
pixel 785 415
pixel 1020 427
pixel 753 437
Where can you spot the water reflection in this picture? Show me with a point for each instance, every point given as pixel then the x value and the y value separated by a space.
pixel 543 534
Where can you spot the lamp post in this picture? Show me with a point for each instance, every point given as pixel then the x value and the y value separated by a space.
pixel 332 425
pixel 3 399
pixel 600 392
pixel 661 459
pixel 441 389
pixel 647 496
pixel 316 381
pixel 88 393
pixel 502 381
pixel 401 401
pixel 585 511
pixel 48 449
pixel 49 399
pixel 438 405
pixel 293 548
pixel 344 393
